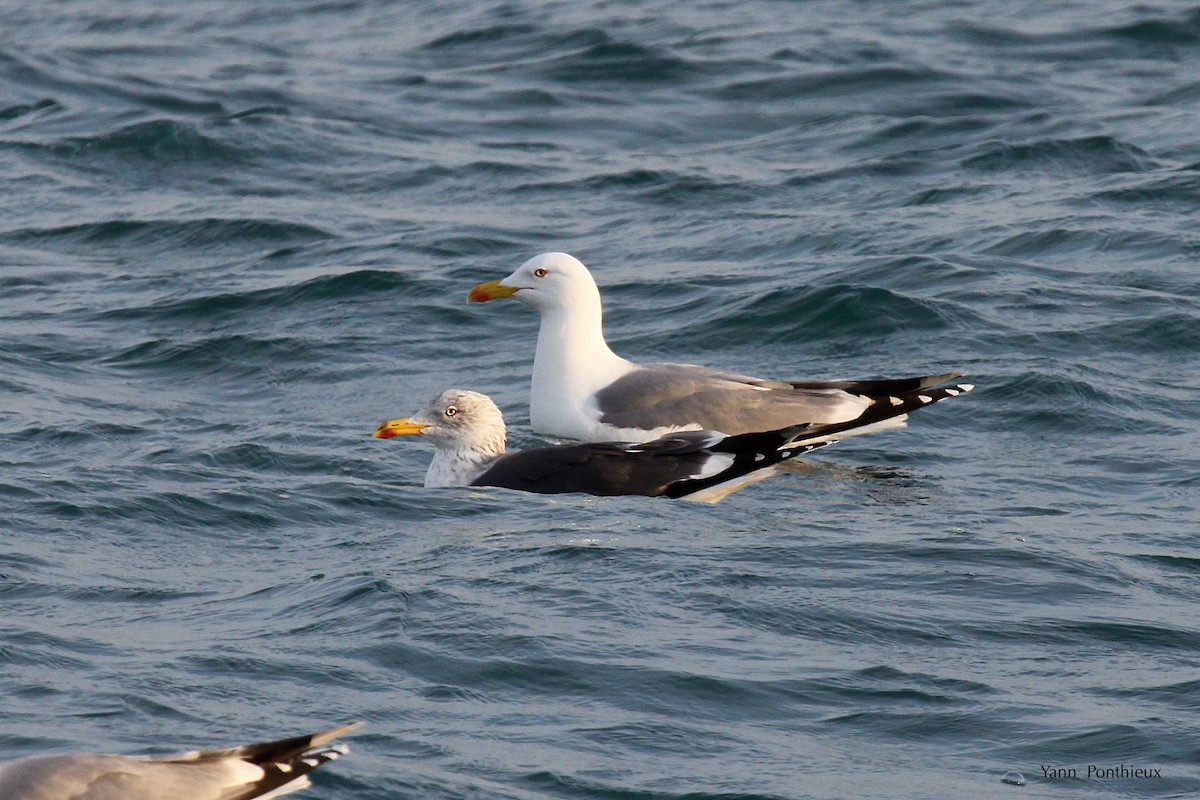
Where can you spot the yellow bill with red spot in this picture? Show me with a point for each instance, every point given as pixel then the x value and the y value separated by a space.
pixel 399 427
pixel 492 290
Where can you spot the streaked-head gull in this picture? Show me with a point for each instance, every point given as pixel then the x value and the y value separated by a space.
pixel 468 432
pixel 264 770
pixel 582 390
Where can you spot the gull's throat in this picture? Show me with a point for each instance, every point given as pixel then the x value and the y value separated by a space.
pixel 572 362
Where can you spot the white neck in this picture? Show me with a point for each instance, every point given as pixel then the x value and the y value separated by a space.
pixel 572 362
pixel 461 466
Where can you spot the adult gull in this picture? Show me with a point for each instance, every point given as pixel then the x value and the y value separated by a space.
pixel 263 770
pixel 582 390
pixel 467 430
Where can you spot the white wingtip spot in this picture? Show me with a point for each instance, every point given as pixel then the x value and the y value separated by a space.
pixel 966 387
pixel 284 767
pixel 896 401
pixel 759 457
pixel 924 398
pixel 951 392
pixel 312 762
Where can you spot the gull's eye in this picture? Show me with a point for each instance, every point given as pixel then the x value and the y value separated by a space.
pixel 541 272
pixel 450 411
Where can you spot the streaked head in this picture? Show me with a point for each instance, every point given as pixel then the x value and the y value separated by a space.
pixel 456 419
pixel 548 281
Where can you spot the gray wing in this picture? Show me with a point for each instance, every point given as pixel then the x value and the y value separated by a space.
pixel 677 395
pixel 95 776
pixel 239 774
pixel 875 386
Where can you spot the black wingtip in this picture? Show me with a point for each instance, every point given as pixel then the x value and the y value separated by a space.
pixel 885 407
pixel 288 761
pixel 883 386
pixel 281 749
pixel 751 452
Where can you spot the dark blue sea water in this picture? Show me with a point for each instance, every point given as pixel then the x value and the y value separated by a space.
pixel 235 236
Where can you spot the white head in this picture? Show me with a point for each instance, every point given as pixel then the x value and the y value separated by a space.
pixel 455 420
pixel 549 282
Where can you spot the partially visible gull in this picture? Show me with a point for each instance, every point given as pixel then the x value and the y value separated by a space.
pixel 582 390
pixel 264 770
pixel 467 430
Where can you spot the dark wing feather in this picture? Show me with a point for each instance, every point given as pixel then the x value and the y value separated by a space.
pixel 667 466
pixel 283 761
pixel 886 407
pixel 599 468
pixel 751 452
pixel 886 386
